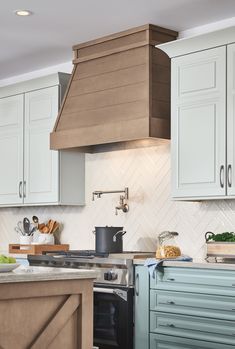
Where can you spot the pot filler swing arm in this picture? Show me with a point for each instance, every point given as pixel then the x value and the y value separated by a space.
pixel 122 200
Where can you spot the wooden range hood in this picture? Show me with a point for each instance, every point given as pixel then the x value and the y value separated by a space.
pixel 119 91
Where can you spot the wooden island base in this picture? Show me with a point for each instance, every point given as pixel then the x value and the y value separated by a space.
pixel 55 314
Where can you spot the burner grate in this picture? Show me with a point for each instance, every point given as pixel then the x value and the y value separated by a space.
pixel 77 254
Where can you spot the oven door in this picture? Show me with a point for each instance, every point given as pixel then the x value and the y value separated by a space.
pixel 113 317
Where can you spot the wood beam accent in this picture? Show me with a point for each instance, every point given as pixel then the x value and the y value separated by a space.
pixel 109 52
pixel 54 314
pixel 57 323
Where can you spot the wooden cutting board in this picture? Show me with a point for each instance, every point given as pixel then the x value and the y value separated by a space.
pixel 36 249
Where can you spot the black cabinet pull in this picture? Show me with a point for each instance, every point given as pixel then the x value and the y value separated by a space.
pixel 221 176
pixel 20 189
pixel 229 176
pixel 137 285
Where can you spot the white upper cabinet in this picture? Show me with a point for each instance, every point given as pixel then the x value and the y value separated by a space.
pixel 31 173
pixel 231 120
pixel 203 115
pixel 41 164
pixel 199 124
pixel 11 149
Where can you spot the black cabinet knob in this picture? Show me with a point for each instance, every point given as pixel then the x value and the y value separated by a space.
pixel 109 276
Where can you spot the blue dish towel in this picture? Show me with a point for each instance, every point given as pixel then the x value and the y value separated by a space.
pixel 153 263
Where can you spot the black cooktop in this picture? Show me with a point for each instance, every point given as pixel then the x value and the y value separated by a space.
pixel 71 258
pixel 83 253
pixel 76 254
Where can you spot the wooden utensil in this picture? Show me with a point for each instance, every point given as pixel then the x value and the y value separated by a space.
pixel 48 228
pixel 45 229
pixel 55 227
pixel 50 225
pixel 41 226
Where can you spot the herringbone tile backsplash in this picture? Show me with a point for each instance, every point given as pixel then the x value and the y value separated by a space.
pixel 146 172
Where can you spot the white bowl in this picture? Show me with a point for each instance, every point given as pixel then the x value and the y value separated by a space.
pixel 6 267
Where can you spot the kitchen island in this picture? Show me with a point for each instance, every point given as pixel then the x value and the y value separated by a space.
pixel 43 307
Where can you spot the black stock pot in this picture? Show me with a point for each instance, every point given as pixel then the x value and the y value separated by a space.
pixel 109 239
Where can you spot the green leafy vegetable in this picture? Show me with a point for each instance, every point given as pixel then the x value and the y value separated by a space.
pixel 225 237
pixel 6 260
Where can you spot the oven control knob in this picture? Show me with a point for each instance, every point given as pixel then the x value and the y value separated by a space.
pixel 110 275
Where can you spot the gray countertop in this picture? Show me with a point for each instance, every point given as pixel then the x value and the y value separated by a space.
pixel 197 263
pixel 29 274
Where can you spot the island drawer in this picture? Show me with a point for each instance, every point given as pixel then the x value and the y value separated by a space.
pixel 209 281
pixel 219 331
pixel 220 307
pixel 158 341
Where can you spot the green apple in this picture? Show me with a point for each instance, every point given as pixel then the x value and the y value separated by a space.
pixel 6 260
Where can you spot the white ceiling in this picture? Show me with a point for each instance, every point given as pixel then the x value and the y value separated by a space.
pixel 46 38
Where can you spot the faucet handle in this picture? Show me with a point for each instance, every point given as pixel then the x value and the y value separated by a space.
pixel 125 208
pixel 121 200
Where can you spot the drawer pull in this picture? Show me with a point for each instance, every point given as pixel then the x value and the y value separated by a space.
pixel 172 279
pixel 170 302
pixel 167 325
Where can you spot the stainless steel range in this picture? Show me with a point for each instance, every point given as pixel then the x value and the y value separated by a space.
pixel 113 291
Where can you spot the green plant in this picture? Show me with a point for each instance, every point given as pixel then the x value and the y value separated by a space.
pixel 225 237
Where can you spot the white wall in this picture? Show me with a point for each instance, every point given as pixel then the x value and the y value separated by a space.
pixel 225 23
pixel 63 67
pixel 147 174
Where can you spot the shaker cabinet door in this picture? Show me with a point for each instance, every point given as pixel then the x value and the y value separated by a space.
pixel 159 341
pixel 199 124
pixel 231 120
pixel 141 338
pixel 11 150
pixel 41 165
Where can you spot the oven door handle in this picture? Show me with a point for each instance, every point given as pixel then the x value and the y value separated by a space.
pixel 116 291
pixel 103 290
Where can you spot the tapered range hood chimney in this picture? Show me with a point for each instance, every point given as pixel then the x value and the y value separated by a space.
pixel 119 91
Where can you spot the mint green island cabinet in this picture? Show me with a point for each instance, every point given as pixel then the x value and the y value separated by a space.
pixel 141 307
pixel 185 308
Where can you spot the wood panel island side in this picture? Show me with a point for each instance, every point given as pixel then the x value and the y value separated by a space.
pixel 43 307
